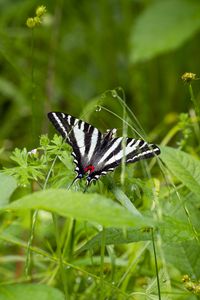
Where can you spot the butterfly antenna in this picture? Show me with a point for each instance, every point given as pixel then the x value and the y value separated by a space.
pixel 75 179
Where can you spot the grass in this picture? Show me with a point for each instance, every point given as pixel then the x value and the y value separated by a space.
pixel 107 256
pixel 135 234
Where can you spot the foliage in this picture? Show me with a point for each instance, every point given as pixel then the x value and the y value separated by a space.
pixel 164 26
pixel 135 234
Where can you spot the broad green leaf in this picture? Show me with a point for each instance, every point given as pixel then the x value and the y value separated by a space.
pixel 115 236
pixel 174 230
pixel 163 26
pixel 87 207
pixel 30 292
pixel 184 166
pixel 171 230
pixel 7 186
pixel 185 257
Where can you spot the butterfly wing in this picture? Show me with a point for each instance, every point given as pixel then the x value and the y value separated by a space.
pixel 110 156
pixel 100 152
pixel 83 138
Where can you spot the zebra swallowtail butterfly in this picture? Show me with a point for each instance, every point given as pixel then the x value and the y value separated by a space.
pixel 95 153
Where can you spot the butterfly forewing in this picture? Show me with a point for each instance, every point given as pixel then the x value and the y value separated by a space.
pixel 83 137
pixel 96 152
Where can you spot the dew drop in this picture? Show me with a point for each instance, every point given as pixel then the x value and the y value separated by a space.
pixel 78 280
pixel 114 93
pixel 89 279
pixel 98 108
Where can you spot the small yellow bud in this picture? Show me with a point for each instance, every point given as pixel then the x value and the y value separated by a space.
pixel 188 77
pixel 30 22
pixel 185 278
pixel 41 10
pixel 37 21
pixel 190 286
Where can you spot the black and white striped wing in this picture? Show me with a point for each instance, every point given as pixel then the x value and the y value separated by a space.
pixel 83 138
pixel 94 153
pixel 109 157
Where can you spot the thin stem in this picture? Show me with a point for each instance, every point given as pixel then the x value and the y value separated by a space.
pixel 34 217
pixel 127 123
pixel 30 241
pixel 51 258
pixel 49 173
pixel 170 135
pixel 68 245
pixel 123 163
pixel 33 131
pixel 197 111
pixel 103 237
pixel 156 264
pixel 132 264
pixel 123 103
pixel 59 251
pixel 33 134
pixel 193 99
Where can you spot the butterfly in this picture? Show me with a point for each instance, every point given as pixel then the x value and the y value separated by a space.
pixel 95 153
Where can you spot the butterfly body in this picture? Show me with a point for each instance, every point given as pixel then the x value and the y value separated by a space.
pixel 95 153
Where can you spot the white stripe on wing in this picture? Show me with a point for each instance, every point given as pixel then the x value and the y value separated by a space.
pixel 112 149
pixel 93 143
pixel 60 124
pixel 80 139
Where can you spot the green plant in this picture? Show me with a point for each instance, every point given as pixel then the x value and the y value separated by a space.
pixel 135 234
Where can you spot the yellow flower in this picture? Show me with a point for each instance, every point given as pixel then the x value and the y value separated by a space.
pixel 30 22
pixel 37 20
pixel 41 10
pixel 188 77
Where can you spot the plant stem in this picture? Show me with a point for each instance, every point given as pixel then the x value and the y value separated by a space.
pixel 193 99
pixel 124 134
pixel 33 129
pixel 68 246
pixel 170 135
pixel 34 215
pixel 59 252
pixel 197 111
pixel 156 264
pixel 103 237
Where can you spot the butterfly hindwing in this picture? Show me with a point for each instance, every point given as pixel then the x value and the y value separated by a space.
pixel 94 153
pixel 110 157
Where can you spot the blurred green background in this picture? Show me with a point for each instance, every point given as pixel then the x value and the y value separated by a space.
pixel 83 48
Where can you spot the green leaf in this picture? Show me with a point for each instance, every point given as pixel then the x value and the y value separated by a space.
pixel 174 230
pixel 125 201
pixel 115 236
pixel 184 166
pixel 86 207
pixel 7 186
pixel 29 291
pixel 164 26
pixel 184 256
pixel 171 230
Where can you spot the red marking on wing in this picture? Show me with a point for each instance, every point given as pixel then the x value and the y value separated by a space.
pixel 89 168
